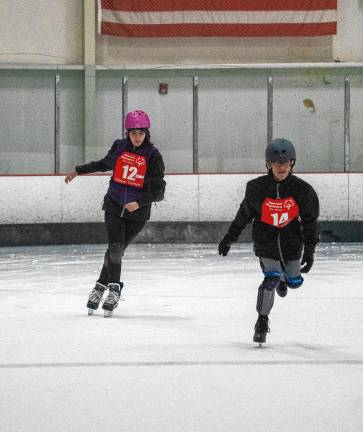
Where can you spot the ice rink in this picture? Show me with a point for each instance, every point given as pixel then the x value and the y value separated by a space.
pixel 178 355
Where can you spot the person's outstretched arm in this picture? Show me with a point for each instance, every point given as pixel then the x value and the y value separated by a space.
pixel 104 164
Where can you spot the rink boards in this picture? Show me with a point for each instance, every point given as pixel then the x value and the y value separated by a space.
pixel 189 198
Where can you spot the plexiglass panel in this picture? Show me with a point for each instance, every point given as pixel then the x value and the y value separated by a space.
pixel 232 123
pixel 108 114
pixel 71 119
pixel 356 124
pixel 171 117
pixel 26 122
pixel 309 110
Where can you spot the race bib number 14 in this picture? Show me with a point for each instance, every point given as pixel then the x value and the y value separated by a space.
pixel 130 169
pixel 279 212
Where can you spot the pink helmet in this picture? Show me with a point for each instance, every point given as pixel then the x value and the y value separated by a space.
pixel 137 119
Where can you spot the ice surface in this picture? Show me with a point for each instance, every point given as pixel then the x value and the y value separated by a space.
pixel 178 355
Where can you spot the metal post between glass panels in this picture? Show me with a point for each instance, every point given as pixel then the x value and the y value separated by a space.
pixel 56 124
pixel 124 101
pixel 195 126
pixel 269 109
pixel 347 124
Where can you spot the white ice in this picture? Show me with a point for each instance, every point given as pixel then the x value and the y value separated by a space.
pixel 178 353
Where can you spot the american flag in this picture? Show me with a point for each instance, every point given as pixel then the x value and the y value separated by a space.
pixel 217 18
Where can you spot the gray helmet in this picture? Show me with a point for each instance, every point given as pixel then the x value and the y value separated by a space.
pixel 280 150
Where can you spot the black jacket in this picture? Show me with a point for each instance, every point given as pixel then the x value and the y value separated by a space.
pixel 273 242
pixel 117 195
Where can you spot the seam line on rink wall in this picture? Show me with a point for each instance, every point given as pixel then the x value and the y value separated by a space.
pixel 337 362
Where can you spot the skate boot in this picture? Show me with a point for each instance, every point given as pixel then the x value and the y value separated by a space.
pixel 95 297
pixel 282 289
pixel 112 299
pixel 261 329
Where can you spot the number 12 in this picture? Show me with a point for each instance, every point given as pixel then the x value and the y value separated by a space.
pixel 133 172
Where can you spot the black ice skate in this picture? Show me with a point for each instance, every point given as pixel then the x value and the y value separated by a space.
pixel 261 329
pixel 282 289
pixel 95 297
pixel 112 299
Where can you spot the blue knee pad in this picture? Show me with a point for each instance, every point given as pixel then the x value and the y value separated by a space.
pixel 271 281
pixel 294 282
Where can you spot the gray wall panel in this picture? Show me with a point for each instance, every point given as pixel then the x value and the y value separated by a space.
pixel 26 122
pixel 318 131
pixel 171 117
pixel 71 119
pixel 232 123
pixel 108 114
pixel 356 124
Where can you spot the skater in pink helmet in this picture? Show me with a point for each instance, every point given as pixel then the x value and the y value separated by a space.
pixel 137 181
pixel 284 210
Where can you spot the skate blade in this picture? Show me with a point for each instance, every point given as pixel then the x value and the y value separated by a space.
pixel 91 311
pixel 107 313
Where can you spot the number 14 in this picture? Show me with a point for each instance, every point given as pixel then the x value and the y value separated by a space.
pixel 279 221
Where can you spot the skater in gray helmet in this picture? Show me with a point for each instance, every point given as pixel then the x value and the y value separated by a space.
pixel 284 211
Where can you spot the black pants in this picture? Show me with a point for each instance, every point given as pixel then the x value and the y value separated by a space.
pixel 120 233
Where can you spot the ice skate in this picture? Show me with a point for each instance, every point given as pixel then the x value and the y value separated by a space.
pixel 95 297
pixel 261 329
pixel 282 289
pixel 111 302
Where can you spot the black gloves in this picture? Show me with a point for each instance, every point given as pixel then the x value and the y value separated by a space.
pixel 307 259
pixel 224 246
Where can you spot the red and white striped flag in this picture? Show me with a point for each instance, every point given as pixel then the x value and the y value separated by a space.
pixel 221 18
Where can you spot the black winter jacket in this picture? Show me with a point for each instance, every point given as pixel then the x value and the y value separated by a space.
pixel 119 194
pixel 285 241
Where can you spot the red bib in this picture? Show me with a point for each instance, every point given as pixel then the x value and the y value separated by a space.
pixel 279 212
pixel 130 169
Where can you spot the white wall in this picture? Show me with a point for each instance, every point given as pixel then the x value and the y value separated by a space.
pixel 41 31
pixel 347 44
pixel 205 197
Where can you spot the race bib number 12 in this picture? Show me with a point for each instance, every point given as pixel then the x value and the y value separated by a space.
pixel 279 212
pixel 130 170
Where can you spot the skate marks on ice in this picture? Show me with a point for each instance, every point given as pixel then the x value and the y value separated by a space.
pixel 160 369
pixel 303 352
pixel 166 318
pixel 184 363
pixel 219 291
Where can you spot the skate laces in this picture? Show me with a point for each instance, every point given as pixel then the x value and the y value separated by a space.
pixel 113 297
pixel 96 295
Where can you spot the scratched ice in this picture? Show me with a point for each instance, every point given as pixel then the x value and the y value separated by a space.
pixel 178 354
